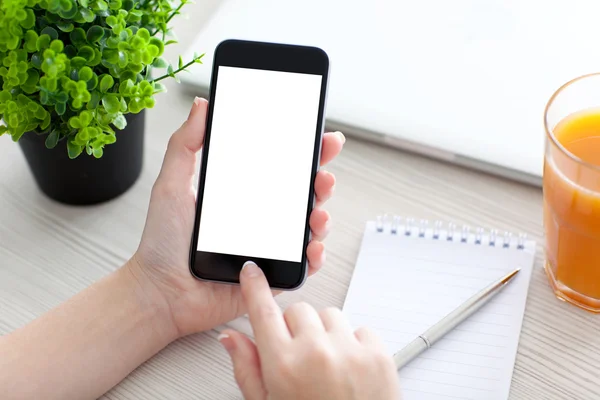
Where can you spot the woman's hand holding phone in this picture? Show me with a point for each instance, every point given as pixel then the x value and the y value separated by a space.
pixel 161 263
pixel 302 354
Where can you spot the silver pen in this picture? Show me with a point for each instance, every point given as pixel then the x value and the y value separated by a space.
pixel 446 324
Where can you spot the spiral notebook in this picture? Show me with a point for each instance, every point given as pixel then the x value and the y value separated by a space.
pixel 410 275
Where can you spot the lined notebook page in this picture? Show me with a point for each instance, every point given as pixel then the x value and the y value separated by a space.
pixel 402 285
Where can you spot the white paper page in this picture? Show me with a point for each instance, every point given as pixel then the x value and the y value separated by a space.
pixel 402 285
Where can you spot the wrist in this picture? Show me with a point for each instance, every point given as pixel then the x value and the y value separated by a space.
pixel 151 300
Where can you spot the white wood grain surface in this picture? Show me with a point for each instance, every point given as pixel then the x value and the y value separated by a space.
pixel 49 252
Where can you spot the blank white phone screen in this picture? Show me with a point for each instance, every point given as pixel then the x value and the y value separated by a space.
pixel 259 163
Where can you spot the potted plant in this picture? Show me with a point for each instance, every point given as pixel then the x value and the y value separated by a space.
pixel 75 79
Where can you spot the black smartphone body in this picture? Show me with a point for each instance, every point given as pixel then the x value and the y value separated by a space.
pixel 260 157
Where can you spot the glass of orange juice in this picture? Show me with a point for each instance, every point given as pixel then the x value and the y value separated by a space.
pixel 572 192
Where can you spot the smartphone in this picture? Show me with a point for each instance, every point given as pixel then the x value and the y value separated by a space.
pixel 260 157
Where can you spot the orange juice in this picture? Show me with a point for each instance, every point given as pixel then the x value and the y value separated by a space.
pixel 572 208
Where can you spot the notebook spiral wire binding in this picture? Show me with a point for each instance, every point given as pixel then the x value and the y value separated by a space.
pixel 409 227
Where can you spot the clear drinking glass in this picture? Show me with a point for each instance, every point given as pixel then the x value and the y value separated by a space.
pixel 572 192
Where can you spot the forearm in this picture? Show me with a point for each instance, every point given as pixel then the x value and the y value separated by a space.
pixel 88 344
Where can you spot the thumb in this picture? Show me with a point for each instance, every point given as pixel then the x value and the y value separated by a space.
pixel 180 158
pixel 246 364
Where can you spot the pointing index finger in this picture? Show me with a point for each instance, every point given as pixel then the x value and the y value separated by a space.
pixel 270 329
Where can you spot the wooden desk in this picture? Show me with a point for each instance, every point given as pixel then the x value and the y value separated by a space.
pixel 49 252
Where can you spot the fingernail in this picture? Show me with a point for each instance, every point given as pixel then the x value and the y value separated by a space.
pixel 226 341
pixel 194 105
pixel 197 101
pixel 341 136
pixel 250 269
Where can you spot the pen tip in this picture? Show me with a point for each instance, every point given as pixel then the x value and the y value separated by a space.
pixel 510 276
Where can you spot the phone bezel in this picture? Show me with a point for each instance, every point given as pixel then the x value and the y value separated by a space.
pixel 225 268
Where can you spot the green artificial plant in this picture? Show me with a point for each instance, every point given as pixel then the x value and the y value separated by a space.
pixel 72 69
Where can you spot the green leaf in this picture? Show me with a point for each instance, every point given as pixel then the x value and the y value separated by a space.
pixel 136 68
pixel 97 58
pixel 30 41
pixel 85 74
pixel 85 117
pixel 111 103
pixel 94 100
pixel 151 53
pixel 83 136
pixel 101 5
pixel 29 20
pixel 143 34
pixel 127 5
pixel 149 102
pixel 65 26
pixel 40 113
pixel 61 97
pixel 69 13
pixel 74 149
pixel 60 108
pixel 75 123
pixel 168 42
pixel 84 3
pixel 125 87
pixel 106 83
pixel 17 135
pixel 86 52
pixel 159 87
pixel 98 152
pixel 112 21
pixel 87 15
pixel 159 44
pixel 180 63
pixel 109 139
pixel 44 97
pixel 95 33
pixel 70 50
pixel 33 78
pixel 43 42
pixel 135 105
pixel 57 46
pixel 92 83
pixel 65 5
pixel 146 89
pixel 136 42
pixel 20 15
pixel 127 75
pixel 123 59
pixel 110 55
pixel 115 4
pixel 52 139
pixel 78 62
pixel 78 36
pixel 170 70
pixel 50 31
pixel 120 122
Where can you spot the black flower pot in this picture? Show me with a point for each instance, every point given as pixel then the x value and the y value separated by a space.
pixel 87 180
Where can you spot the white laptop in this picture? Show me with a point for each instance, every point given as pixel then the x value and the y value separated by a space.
pixel 463 80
